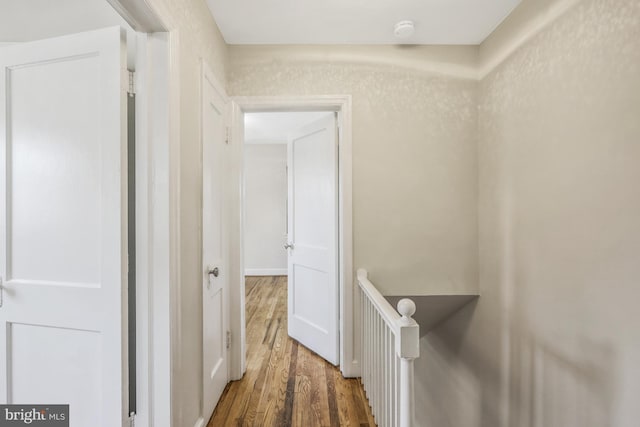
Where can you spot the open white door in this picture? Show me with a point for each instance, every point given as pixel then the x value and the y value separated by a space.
pixel 63 230
pixel 215 295
pixel 313 238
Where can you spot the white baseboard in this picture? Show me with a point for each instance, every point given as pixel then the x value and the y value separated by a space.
pixel 265 272
pixel 199 423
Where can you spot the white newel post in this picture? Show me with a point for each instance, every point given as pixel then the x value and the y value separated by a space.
pixel 408 349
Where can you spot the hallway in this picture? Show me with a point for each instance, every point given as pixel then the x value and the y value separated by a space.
pixel 285 384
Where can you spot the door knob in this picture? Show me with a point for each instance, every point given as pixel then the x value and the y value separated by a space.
pixel 215 272
pixel 288 246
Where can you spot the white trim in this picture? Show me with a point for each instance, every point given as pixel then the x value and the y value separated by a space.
pixel 237 353
pixel 157 120
pixel 139 15
pixel 265 272
pixel 174 302
pixel 153 243
pixel 162 104
pixel 143 236
pixel 199 422
pixel 342 103
pixel 165 214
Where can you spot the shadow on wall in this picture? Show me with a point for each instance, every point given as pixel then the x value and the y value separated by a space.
pixel 527 383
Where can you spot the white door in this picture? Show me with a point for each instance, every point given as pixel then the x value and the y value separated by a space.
pixel 63 230
pixel 215 295
pixel 313 237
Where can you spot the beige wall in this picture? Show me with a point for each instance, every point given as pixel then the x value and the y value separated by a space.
pixel 414 151
pixel 554 339
pixel 198 38
pixel 265 208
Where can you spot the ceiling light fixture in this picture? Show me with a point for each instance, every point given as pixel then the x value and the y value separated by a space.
pixel 404 29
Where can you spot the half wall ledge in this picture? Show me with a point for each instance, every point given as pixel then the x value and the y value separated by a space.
pixel 434 309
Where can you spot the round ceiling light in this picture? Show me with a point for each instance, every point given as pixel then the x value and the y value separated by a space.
pixel 404 29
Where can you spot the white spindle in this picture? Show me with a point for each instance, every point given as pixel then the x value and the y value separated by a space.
pixel 363 338
pixel 398 390
pixel 389 345
pixel 394 386
pixel 374 389
pixel 387 377
pixel 383 373
pixel 380 387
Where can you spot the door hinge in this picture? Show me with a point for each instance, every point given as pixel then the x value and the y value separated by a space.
pixel 228 340
pixel 227 136
pixel 132 419
pixel 132 84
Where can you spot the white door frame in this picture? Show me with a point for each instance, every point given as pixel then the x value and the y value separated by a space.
pixel 155 265
pixel 342 104
pixel 157 206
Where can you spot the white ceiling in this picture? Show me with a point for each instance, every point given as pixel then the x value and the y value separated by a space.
pixel 27 20
pixel 274 128
pixel 357 21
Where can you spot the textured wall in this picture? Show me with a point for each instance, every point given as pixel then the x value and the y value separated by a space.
pixel 554 339
pixel 414 154
pixel 198 37
pixel 265 216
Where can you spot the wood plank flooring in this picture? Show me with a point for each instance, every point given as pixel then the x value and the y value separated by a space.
pixel 286 384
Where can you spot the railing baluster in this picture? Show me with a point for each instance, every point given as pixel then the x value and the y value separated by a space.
pixel 370 354
pixel 383 391
pixel 367 345
pixel 376 369
pixel 363 339
pixel 397 368
pixel 394 378
pixel 385 369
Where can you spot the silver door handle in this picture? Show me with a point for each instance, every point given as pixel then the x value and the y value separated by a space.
pixel 215 272
pixel 288 246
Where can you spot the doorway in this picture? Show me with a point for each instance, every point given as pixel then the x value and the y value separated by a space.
pixel 243 257
pixel 291 211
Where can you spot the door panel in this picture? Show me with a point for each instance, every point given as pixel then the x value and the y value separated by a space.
pixel 63 225
pixel 310 297
pixel 74 357
pixel 56 194
pixel 313 234
pixel 215 294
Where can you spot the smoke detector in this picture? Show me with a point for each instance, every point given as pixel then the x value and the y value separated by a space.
pixel 404 29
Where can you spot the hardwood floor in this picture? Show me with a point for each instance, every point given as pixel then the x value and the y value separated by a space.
pixel 286 384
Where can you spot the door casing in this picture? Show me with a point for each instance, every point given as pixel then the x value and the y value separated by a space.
pixel 349 346
pixel 157 168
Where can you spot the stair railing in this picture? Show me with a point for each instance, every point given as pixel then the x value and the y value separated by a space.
pixel 389 343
